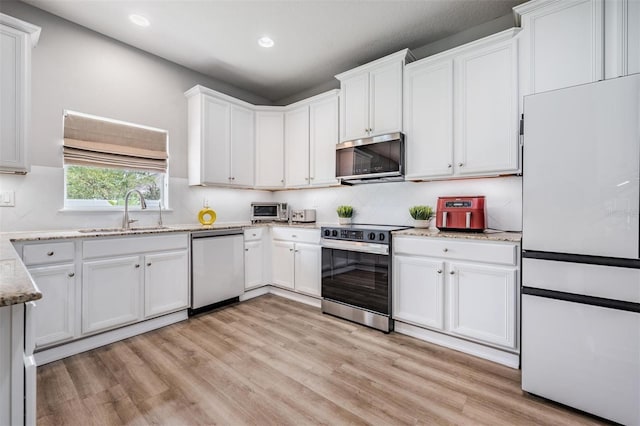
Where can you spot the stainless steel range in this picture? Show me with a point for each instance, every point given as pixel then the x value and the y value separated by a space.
pixel 356 274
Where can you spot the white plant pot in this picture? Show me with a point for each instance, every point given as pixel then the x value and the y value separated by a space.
pixel 344 220
pixel 421 223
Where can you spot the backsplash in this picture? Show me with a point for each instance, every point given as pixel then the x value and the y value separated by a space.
pixel 38 197
pixel 388 203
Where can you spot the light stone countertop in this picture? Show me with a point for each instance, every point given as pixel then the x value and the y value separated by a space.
pixel 17 286
pixel 487 235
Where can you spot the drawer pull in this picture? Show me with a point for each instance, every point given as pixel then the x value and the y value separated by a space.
pixel 50 253
pixel 246 249
pixel 137 265
pixel 439 271
pixel 149 264
pixel 290 249
pixel 452 272
pixel 445 249
pixel 71 274
pixel 254 234
pixel 294 236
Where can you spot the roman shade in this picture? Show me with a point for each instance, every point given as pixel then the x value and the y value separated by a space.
pixel 98 142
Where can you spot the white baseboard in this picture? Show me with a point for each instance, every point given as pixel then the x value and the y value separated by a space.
pixel 255 292
pixel 492 354
pixel 298 297
pixel 49 355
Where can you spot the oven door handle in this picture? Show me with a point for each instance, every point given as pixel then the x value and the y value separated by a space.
pixel 372 248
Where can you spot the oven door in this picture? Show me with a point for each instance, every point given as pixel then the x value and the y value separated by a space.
pixel 357 278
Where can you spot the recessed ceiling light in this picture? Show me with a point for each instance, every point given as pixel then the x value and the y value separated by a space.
pixel 139 20
pixel 265 41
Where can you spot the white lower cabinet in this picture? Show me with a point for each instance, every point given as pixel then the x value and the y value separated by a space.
pixel 307 268
pixel 253 271
pixel 283 263
pixel 111 291
pixel 418 291
pixel 466 290
pixel 296 259
pixel 164 275
pixel 56 312
pixel 482 303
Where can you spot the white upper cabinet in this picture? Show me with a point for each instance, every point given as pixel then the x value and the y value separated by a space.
pixel 269 149
pixel 17 38
pixel 562 43
pixel 221 139
pixel 296 145
pixel 311 135
pixel 323 137
pixel 371 97
pixel 461 111
pixel 621 37
pixel 486 108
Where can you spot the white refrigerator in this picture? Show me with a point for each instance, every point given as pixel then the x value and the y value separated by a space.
pixel 581 248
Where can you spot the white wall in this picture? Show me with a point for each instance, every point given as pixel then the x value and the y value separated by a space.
pixel 388 203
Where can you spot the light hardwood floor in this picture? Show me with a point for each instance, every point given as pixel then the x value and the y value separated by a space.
pixel 274 361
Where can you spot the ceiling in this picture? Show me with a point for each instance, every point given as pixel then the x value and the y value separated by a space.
pixel 314 40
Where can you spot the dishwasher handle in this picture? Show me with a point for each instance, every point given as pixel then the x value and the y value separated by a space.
pixel 208 233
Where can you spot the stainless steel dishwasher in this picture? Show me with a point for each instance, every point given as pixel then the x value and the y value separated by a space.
pixel 217 268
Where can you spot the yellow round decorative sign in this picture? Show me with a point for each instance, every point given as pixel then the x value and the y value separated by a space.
pixel 206 216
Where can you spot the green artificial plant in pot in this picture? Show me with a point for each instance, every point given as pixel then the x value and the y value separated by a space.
pixel 421 215
pixel 344 214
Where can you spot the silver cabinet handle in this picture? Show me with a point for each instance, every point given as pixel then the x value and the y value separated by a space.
pixel 452 272
pixel 460 164
pixel 294 236
pixel 290 249
pixel 149 264
pixel 439 271
pixel 281 180
pixel 449 166
pixel 445 249
pixel 312 178
pixel 468 219
pixel 254 235
pixel 137 265
pixel 297 251
pixel 50 253
pixel 246 249
pixel 71 274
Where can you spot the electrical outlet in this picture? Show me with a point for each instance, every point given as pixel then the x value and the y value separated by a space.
pixel 7 198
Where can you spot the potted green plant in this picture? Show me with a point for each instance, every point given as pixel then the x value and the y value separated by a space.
pixel 344 214
pixel 421 215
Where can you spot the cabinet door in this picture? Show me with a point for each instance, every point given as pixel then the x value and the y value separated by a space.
pixel 13 102
pixel 166 282
pixel 562 45
pixel 323 137
pixel 482 303
pixel 487 110
pixel 111 293
pixel 215 140
pixel 385 99
pixel 296 144
pixel 242 146
pixel 418 291
pixel 269 149
pixel 253 267
pixel 307 268
pixel 54 316
pixel 354 107
pixel 429 119
pixel 282 270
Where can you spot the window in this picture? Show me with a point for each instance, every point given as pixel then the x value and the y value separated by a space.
pixel 103 159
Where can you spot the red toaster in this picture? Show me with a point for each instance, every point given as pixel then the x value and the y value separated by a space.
pixel 461 213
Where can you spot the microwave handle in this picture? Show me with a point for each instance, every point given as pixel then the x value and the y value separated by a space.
pixel 468 220
pixel 444 219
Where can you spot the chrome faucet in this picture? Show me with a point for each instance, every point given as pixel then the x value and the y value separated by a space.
pixel 126 222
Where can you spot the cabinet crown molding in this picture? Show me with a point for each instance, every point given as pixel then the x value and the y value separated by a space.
pixel 404 54
pixel 32 30
pixel 201 90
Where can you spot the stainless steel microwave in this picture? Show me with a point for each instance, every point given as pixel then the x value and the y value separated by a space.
pixel 371 160
pixel 269 212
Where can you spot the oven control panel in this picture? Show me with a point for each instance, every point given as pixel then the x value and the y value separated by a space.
pixel 363 235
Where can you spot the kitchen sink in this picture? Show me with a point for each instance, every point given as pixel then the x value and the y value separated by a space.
pixel 120 230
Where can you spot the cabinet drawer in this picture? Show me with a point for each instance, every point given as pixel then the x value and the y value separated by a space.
pixel 133 245
pixel 253 234
pixel 311 236
pixel 38 254
pixel 478 251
